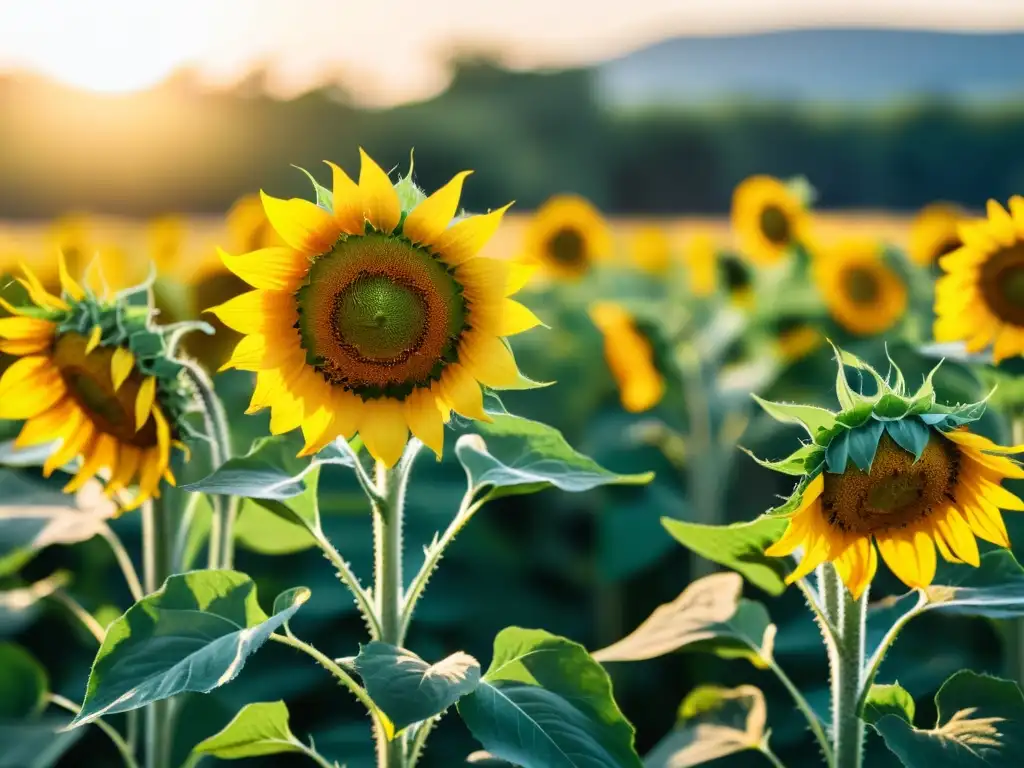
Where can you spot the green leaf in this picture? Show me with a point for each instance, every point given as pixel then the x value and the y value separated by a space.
pixel 35 743
pixel 810 417
pixel 980 723
pixel 274 527
pixel 23 683
pixel 193 634
pixel 851 360
pixel 512 456
pixel 324 196
pixel 995 589
pixel 891 407
pixel 739 547
pixel 862 444
pixel 407 689
pixel 709 616
pixel 888 700
pixel 923 400
pixel 545 703
pixel 713 723
pixel 854 417
pixel 803 461
pixel 258 729
pixel 910 434
pixel 838 453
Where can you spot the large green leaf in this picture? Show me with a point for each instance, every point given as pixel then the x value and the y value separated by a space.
pixel 980 723
pixel 739 547
pixel 194 634
pixel 545 703
pixel 710 616
pixel 258 729
pixel 23 683
pixel 512 455
pixel 885 700
pixel 810 417
pixel 713 723
pixel 407 689
pixel 35 743
pixel 995 589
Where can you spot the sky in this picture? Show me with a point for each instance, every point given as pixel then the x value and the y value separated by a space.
pixel 388 51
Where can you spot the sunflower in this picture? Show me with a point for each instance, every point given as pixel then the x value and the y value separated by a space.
pixel 104 264
pixel 894 472
pixel 702 264
pixel 738 280
pixel 862 293
pixel 377 316
pixel 768 217
pixel 92 377
pixel 566 236
pixel 630 358
pixel 248 225
pixel 651 250
pixel 797 341
pixel 980 299
pixel 933 233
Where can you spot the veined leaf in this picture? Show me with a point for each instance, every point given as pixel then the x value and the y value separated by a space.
pixel 888 700
pixel 545 703
pixel 995 589
pixel 193 634
pixel 803 461
pixel 862 444
pixel 810 417
pixel 23 683
pixel 910 434
pixel 258 729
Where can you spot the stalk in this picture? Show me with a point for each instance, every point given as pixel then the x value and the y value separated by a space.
pixel 156 545
pixel 847 673
pixel 1015 629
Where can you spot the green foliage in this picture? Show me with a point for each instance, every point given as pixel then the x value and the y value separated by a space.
pixel 34 743
pixel 23 683
pixel 194 634
pixel 407 689
pixel 812 418
pixel 258 729
pixel 885 700
pixel 545 703
pixel 739 547
pixel 995 589
pixel 980 723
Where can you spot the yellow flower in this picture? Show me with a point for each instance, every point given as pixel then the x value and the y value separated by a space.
pixel 374 319
pixel 798 342
pixel 862 293
pixel 88 388
pixel 933 233
pixel 702 264
pixel 105 266
pixel 630 358
pixel 981 298
pixel 906 508
pixel 566 236
pixel 768 218
pixel 651 249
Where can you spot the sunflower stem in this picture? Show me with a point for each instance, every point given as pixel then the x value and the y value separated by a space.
pixel 156 553
pixel 1015 629
pixel 829 592
pixel 847 673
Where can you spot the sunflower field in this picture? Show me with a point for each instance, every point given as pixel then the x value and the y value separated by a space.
pixel 366 479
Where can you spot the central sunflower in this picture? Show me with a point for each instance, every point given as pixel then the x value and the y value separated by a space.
pixel 896 471
pixel 981 298
pixel 862 293
pixel 377 316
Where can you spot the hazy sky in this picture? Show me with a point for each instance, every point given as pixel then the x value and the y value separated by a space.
pixel 389 50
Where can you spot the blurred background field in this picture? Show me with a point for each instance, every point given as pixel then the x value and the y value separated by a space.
pixel 138 136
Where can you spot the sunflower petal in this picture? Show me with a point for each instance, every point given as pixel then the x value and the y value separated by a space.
pixel 75 434
pixel 465 239
pixel 26 329
pixel 380 200
pixel 29 387
pixel 986 522
pixel 954 530
pixel 103 455
pixel 910 555
pixel 795 536
pixel 68 284
pixel 127 466
pixel 95 335
pixel 39 295
pixel 424 419
pixel 45 427
pixel 428 220
pixel 488 360
pixel 1000 223
pixel 256 353
pixel 519 274
pixel 273 269
pixel 144 402
pixel 462 392
pixel 516 318
pixel 257 312
pixel 301 224
pixel 121 365
pixel 348 202
pixel 384 430
pixel 338 418
pixel 856 564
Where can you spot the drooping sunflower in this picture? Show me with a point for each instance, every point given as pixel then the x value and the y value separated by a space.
pixel 566 236
pixel 651 249
pixel 933 233
pixel 702 264
pixel 894 471
pixel 630 357
pixel 93 377
pixel 768 217
pixel 863 294
pixel 377 316
pixel 980 299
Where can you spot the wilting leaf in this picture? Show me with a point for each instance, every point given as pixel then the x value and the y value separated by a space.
pixel 710 616
pixel 713 723
pixel 407 689
pixel 194 634
pixel 512 455
pixel 739 547
pixel 980 723
pixel 258 729
pixel 888 700
pixel 545 703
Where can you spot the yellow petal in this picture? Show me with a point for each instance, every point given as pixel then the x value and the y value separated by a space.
pixel 39 295
pixel 163 435
pixel 817 547
pixel 428 220
pixel 857 564
pixel 516 318
pixel 121 365
pixel 980 442
pixel 994 493
pixel 986 521
pixel 348 202
pixel 127 465
pixel 910 555
pixel 1000 223
pixel 30 386
pixel 150 472
pixel 144 402
pixel 45 427
pixel 285 413
pixel 384 430
pixel 67 283
pixel 1017 211
pixel 462 393
pixel 301 224
pixel 519 274
pixel 1007 344
pixel 424 419
pixel 273 269
pixel 339 417
pixel 483 282
pixel 94 339
pixel 465 239
pixel 256 353
pixel 945 551
pixel 795 536
pixel 488 360
pixel 267 387
pixel 381 208
pixel 103 455
pixel 26 329
pixel 954 531
pixel 75 437
pixel 24 347
pixel 261 312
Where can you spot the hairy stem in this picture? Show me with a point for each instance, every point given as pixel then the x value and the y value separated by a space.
pixel 847 726
pixel 124 561
pixel 331 666
pixel 350 580
pixel 88 620
pixel 805 710
pixel 157 542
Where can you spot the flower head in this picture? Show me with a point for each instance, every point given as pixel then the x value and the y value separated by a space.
pixel 630 357
pixel 892 473
pixel 377 316
pixel 94 378
pixel 769 218
pixel 863 294
pixel 566 236
pixel 702 264
pixel 651 249
pixel 933 233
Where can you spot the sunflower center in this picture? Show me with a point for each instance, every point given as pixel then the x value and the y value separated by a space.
pixel 1002 284
pixel 862 285
pixel 568 247
pixel 379 316
pixel 88 381
pixel 775 224
pixel 898 491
